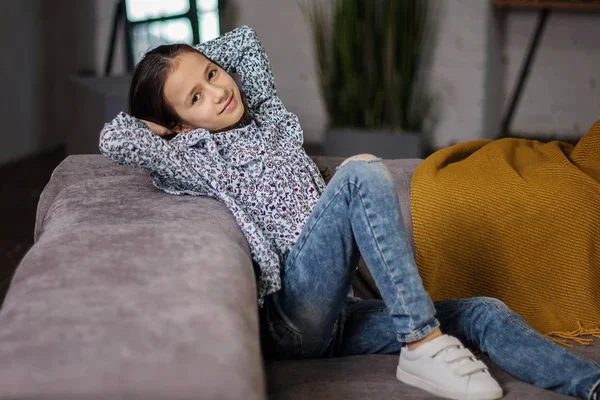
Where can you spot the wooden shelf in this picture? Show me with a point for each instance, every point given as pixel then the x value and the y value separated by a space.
pixel 551 4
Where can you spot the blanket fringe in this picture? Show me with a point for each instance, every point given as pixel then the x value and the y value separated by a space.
pixel 562 337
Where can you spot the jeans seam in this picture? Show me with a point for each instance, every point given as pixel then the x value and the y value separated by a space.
pixel 510 317
pixel 387 268
pixel 368 311
pixel 532 332
pixel 295 335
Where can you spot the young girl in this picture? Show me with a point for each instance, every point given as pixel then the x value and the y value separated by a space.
pixel 197 133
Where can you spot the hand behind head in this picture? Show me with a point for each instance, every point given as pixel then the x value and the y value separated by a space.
pixel 156 128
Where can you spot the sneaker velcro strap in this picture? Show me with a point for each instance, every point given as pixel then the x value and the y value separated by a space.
pixel 457 354
pixel 471 367
pixel 442 343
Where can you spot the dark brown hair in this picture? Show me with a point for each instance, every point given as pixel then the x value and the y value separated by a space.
pixel 146 96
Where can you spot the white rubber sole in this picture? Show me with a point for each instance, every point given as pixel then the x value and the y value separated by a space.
pixel 424 385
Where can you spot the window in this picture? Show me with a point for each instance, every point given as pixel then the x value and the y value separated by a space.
pixel 155 22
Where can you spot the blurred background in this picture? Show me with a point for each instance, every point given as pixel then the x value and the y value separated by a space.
pixel 452 71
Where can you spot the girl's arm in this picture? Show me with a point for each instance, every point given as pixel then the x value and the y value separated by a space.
pixel 173 167
pixel 241 51
pixel 127 141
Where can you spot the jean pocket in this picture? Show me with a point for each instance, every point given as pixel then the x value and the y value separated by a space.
pixel 285 341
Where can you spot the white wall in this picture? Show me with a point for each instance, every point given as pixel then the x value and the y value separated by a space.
pixel 562 95
pixel 476 62
pixel 458 75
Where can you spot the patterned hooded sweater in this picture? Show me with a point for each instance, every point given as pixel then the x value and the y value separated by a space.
pixel 260 171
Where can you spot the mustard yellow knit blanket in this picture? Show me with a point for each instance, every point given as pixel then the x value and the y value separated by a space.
pixel 518 220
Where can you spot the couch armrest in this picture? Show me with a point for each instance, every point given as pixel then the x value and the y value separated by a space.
pixel 75 169
pixel 130 293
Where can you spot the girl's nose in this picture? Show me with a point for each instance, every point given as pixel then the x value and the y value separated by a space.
pixel 219 94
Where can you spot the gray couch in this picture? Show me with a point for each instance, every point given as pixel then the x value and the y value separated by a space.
pixel 130 293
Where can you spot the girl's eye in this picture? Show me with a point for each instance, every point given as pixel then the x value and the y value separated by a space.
pixel 212 73
pixel 195 98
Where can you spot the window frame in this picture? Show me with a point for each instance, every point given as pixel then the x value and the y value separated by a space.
pixel 192 15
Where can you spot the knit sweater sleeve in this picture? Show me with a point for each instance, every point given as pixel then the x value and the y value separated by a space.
pixel 241 51
pixel 127 141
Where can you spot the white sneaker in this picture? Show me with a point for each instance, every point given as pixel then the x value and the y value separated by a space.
pixel 444 367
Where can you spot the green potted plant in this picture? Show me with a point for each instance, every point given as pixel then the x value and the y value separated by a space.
pixel 369 56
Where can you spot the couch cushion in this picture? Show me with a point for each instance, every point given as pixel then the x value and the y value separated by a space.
pixel 374 377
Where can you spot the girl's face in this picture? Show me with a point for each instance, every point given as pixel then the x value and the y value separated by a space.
pixel 202 94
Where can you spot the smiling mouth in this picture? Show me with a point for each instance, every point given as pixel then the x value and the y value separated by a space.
pixel 227 105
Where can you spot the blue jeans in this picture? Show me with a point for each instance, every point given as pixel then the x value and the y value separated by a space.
pixel 314 315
